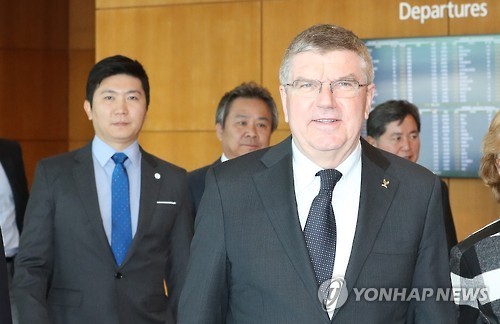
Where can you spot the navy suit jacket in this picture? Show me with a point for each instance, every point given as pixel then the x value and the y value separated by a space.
pixel 249 261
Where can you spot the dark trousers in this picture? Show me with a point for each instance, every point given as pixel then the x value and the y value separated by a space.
pixel 13 306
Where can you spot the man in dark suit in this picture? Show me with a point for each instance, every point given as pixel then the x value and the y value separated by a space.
pixel 256 258
pixel 244 121
pixel 82 259
pixel 13 200
pixel 394 126
pixel 5 313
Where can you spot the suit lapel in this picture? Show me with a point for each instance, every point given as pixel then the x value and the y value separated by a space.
pixel 276 190
pixel 84 176
pixel 151 180
pixel 377 192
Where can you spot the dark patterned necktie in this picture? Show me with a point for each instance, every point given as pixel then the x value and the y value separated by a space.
pixel 320 231
pixel 121 228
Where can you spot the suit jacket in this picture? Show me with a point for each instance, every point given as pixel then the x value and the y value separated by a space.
pixel 5 314
pixel 12 161
pixel 196 179
pixel 65 269
pixel 249 261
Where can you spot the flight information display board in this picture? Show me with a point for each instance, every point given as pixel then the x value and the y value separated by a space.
pixel 455 83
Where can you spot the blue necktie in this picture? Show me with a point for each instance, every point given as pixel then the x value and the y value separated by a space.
pixel 320 232
pixel 121 228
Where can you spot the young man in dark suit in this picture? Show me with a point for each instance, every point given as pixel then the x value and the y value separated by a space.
pixel 266 250
pixel 108 226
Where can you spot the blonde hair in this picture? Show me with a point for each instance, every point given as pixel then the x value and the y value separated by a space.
pixel 491 150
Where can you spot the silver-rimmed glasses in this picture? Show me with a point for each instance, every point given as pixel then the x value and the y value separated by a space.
pixel 339 88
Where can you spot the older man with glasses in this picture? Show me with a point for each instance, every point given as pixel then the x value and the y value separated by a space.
pixel 296 233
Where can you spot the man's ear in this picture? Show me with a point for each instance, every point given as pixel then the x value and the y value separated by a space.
pixel 88 109
pixel 371 140
pixel 219 130
pixel 284 102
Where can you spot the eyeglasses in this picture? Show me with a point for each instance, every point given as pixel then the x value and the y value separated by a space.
pixel 339 88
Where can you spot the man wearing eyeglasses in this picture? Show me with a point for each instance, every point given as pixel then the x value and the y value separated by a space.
pixel 300 232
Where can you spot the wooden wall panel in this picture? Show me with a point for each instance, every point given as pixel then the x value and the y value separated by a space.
pixel 81 59
pixel 33 92
pixel 470 25
pixel 193 55
pixel 34 24
pixel 81 24
pixel 103 4
pixel 33 151
pixel 80 63
pixel 36 79
pixel 472 204
pixel 33 77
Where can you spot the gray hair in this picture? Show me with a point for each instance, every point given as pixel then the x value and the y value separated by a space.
pixel 246 90
pixel 323 38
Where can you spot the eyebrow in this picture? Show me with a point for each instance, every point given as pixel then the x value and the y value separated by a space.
pixel 104 91
pixel 246 116
pixel 401 133
pixel 350 76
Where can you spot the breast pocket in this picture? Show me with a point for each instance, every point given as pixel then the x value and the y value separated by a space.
pixel 164 215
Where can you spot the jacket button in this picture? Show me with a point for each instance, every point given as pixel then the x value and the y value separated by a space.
pixel 118 275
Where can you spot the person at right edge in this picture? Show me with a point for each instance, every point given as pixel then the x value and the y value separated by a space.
pixel 321 207
pixel 475 262
pixel 394 126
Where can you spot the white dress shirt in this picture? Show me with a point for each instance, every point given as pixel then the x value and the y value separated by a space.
pixel 8 223
pixel 345 200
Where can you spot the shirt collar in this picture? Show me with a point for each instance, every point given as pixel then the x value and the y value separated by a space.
pixel 223 158
pixel 103 152
pixel 308 168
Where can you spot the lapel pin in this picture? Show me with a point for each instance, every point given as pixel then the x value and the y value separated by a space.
pixel 157 176
pixel 385 183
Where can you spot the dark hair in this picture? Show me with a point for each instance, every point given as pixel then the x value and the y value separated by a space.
pixel 114 65
pixel 387 112
pixel 246 90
